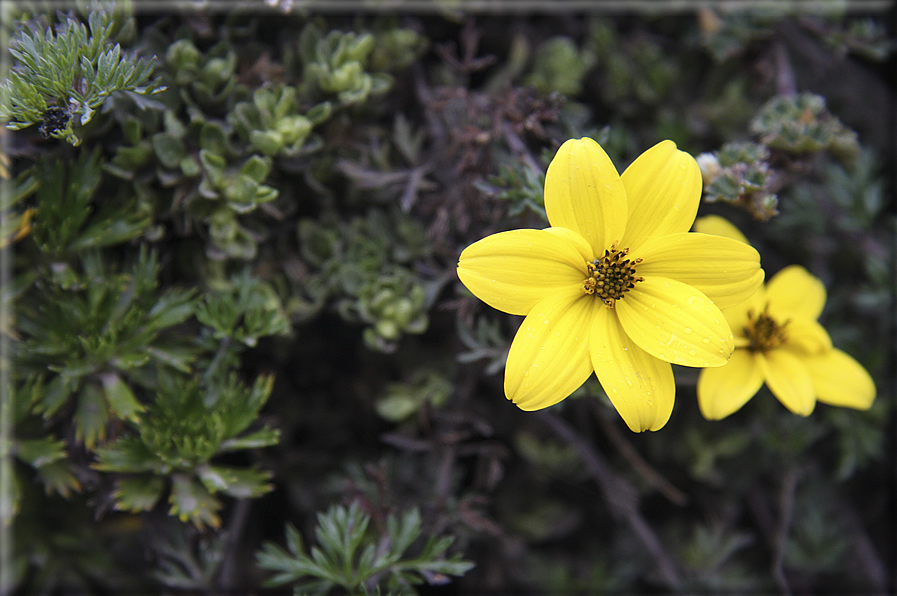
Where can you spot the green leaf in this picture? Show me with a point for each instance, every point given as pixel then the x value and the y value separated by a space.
pixel 120 397
pixel 129 361
pixel 91 416
pixel 242 483
pixel 169 150
pixel 58 476
pixel 177 357
pixel 213 139
pixel 256 440
pixel 190 501
pixel 55 395
pixel 256 168
pixel 39 452
pixel 126 454
pixel 111 228
pixel 404 532
pixel 294 540
pixel 173 308
pixel 138 493
pixel 213 165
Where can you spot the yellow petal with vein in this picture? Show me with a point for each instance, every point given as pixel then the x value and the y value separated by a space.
pixel 512 271
pixel 725 389
pixel 840 380
pixel 793 291
pixel 789 380
pixel 583 192
pixel 725 270
pixel 663 186
pixel 549 357
pixel 641 387
pixel 676 323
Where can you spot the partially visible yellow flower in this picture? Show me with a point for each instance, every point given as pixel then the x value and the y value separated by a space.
pixel 779 342
pixel 617 285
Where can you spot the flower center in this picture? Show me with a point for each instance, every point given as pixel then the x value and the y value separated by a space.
pixel 764 332
pixel 611 276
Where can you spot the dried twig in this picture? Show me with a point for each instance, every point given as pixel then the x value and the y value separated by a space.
pixel 629 453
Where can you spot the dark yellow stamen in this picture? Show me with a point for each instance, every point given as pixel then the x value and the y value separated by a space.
pixel 764 332
pixel 611 276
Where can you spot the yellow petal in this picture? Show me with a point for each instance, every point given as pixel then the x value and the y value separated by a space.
pixel 840 380
pixel 789 380
pixel 718 226
pixel 575 240
pixel 725 389
pixel 583 192
pixel 676 323
pixel 794 292
pixel 725 270
pixel 807 337
pixel 641 387
pixel 549 357
pixel 663 186
pixel 512 271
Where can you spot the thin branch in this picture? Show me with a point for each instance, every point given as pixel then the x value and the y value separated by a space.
pixel 865 550
pixel 631 455
pixel 234 542
pixel 786 513
pixel 621 496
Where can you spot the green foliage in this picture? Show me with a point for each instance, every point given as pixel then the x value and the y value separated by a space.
pixel 271 124
pixel 635 73
pixel 349 557
pixel 709 553
pixel 863 37
pixel 485 340
pixel 395 47
pixel 63 76
pixel 334 65
pixel 67 219
pixel 726 34
pixel 175 440
pixel 82 339
pixel 739 174
pixel 559 66
pixel 521 187
pixel 802 124
pixel 243 311
pixel 362 264
pixel 204 80
pixel 402 400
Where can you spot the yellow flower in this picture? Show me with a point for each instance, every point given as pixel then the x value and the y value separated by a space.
pixel 617 285
pixel 779 342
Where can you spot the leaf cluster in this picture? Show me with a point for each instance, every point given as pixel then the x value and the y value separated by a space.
pixel 739 173
pixel 802 124
pixel 66 74
pixel 85 338
pixel 271 124
pixel 350 557
pixel 336 65
pixel 363 265
pixel 185 427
